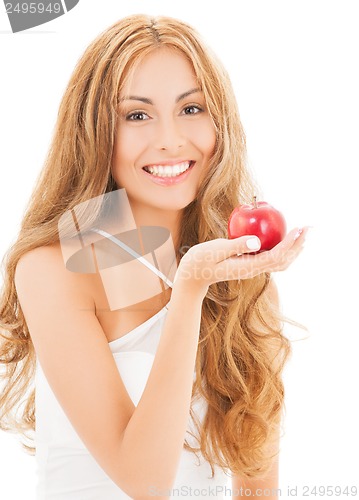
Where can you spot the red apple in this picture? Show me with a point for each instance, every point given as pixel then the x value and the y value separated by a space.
pixel 260 219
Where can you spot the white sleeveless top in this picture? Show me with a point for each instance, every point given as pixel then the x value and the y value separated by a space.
pixel 65 468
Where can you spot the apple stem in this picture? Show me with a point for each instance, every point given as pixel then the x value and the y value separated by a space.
pixel 255 202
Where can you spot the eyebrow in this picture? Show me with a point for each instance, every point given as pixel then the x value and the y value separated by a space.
pixel 148 101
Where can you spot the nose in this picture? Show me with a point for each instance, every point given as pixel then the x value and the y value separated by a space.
pixel 169 135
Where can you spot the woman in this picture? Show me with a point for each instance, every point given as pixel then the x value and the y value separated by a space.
pixel 147 102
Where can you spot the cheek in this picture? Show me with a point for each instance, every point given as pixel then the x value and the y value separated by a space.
pixel 124 144
pixel 204 138
pixel 121 157
pixel 212 140
pixel 130 141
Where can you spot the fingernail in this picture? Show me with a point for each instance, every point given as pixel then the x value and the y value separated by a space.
pixel 298 233
pixel 253 243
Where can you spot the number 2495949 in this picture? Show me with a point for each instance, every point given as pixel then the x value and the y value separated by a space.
pixel 329 491
pixel 33 8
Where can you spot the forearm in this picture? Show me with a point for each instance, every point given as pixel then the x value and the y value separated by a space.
pixel 153 439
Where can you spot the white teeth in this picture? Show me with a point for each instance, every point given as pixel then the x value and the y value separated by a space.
pixel 168 171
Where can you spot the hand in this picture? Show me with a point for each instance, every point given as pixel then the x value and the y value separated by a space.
pixel 221 259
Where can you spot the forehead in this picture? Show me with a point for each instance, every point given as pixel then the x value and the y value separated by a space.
pixel 163 70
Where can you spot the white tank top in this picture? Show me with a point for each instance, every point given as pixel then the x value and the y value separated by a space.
pixel 65 468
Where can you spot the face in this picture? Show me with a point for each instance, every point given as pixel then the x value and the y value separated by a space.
pixel 164 136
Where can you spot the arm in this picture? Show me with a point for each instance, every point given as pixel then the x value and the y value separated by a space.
pixel 137 447
pixel 130 443
pixel 162 414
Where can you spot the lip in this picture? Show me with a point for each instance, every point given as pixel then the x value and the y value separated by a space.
pixel 169 181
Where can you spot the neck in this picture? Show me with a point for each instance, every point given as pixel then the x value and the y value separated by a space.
pixel 151 216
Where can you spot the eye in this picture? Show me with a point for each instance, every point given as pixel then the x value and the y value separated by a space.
pixel 192 110
pixel 137 116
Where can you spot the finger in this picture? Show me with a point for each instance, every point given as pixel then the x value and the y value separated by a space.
pixel 273 259
pixel 289 250
pixel 301 234
pixel 244 244
pixel 289 254
pixel 277 259
pixel 276 253
pixel 263 260
pixel 294 237
pixel 288 259
pixel 252 243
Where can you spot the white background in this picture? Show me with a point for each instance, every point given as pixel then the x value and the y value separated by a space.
pixel 294 69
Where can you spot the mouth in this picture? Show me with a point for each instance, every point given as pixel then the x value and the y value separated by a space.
pixel 169 171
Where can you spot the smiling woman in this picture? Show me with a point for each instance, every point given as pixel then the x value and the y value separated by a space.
pixel 131 403
pixel 165 135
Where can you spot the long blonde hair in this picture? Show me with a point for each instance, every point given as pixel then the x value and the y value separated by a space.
pixel 234 368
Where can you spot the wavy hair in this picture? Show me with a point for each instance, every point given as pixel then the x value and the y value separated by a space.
pixel 241 330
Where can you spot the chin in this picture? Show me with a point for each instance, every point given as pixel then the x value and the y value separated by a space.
pixel 173 206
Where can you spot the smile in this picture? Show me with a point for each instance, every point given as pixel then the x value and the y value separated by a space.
pixel 167 170
pixel 169 175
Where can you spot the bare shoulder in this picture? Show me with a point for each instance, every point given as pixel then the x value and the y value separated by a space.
pixel 44 266
pixel 42 257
